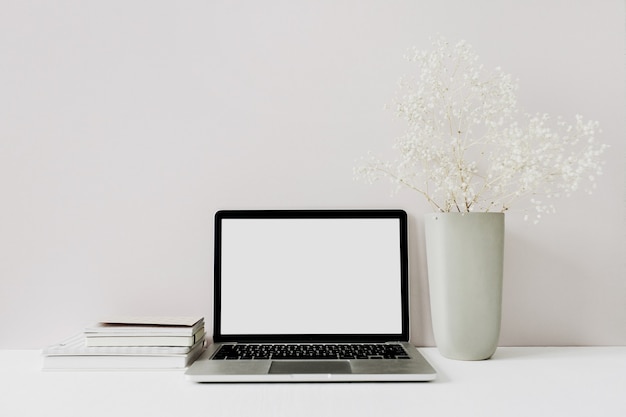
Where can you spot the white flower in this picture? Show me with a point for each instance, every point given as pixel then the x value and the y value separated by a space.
pixel 468 147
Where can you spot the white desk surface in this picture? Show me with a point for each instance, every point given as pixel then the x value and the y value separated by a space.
pixel 537 381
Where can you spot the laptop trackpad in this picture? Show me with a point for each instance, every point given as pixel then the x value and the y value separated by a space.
pixel 310 367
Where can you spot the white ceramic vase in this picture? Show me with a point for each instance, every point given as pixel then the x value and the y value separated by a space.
pixel 465 254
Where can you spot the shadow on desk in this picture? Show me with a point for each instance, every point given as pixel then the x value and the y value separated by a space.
pixel 513 353
pixel 501 357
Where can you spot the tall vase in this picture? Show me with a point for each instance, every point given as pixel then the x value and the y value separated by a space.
pixel 465 254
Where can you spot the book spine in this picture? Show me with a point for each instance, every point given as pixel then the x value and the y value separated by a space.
pixel 148 330
pixel 100 341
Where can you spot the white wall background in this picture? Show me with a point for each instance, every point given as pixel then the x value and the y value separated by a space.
pixel 125 124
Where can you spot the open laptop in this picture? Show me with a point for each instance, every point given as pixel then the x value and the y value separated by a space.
pixel 311 295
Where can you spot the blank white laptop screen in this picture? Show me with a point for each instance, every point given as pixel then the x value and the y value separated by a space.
pixel 310 276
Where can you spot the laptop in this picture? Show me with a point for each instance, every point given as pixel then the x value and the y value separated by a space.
pixel 310 295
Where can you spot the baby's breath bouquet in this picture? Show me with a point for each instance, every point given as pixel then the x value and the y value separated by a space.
pixel 469 148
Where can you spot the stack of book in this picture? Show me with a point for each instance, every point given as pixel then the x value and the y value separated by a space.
pixel 130 343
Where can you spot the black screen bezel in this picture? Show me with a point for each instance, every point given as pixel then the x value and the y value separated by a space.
pixel 401 215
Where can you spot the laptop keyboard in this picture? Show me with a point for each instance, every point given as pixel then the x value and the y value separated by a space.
pixel 311 351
